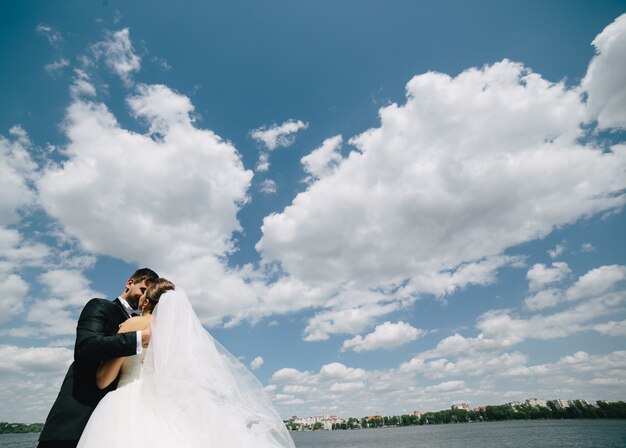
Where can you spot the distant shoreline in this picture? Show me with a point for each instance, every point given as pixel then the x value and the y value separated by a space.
pixel 20 428
pixel 575 410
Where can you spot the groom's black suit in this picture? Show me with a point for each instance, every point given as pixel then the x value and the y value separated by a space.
pixel 97 340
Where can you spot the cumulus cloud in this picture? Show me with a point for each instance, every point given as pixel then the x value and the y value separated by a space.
pixel 168 199
pixel 14 290
pixel 606 77
pixel 256 363
pixel 611 328
pixel 25 360
pixel 81 85
pixel 543 299
pixel 540 275
pixel 272 137
pixel 346 319
pixel 456 193
pixel 57 65
pixel 587 247
pixel 432 384
pixel 53 36
pixel 321 161
pixel 276 135
pixel 558 250
pixel 70 285
pixel 268 186
pixel 119 54
pixel 596 282
pixel 385 336
pixel 134 217
pixel 34 374
pixel 577 368
pixel 263 163
pixel 289 375
pixel 16 172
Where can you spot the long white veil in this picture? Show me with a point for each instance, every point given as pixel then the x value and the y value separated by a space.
pixel 207 395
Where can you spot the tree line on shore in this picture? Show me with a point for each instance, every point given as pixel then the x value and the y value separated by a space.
pixel 576 410
pixel 17 428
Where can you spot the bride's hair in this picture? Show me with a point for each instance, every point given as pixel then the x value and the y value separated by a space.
pixel 156 289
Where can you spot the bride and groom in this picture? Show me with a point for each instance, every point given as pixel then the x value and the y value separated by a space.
pixel 156 380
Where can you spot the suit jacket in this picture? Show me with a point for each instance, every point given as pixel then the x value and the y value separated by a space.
pixel 97 340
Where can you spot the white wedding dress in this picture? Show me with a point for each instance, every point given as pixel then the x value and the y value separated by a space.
pixel 185 391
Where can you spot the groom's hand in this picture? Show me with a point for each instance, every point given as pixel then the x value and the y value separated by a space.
pixel 145 335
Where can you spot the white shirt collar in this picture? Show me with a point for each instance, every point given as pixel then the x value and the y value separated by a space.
pixel 127 306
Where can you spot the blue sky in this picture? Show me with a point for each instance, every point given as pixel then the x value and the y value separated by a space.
pixel 379 207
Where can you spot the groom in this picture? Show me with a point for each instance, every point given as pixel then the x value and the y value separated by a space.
pixel 97 340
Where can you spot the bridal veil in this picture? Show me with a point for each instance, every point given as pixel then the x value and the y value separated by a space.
pixel 201 389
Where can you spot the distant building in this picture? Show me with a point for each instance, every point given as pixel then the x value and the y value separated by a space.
pixel 516 404
pixel 327 421
pixel 418 414
pixel 461 406
pixel 561 404
pixel 537 403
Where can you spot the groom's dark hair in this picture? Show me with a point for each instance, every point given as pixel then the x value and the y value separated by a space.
pixel 144 274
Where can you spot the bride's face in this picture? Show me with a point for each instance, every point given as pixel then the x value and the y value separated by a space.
pixel 141 301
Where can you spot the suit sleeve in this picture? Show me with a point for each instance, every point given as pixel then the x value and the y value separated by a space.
pixel 93 343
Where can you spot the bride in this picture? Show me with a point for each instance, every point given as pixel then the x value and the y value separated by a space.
pixel 185 390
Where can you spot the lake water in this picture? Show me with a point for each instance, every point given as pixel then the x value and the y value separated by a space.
pixel 535 434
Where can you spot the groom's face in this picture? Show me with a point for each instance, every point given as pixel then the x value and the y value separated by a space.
pixel 135 291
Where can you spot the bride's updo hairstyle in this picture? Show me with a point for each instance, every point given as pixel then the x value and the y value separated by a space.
pixel 156 289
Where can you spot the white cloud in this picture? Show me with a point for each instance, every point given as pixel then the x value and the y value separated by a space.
pixel 16 171
pixel 605 81
pixel 281 135
pixel 134 218
pixel 56 65
pixel 558 250
pixel 351 319
pixel 612 328
pixel 321 161
pixel 268 186
pixel 24 360
pixel 256 363
pixel 339 372
pixel 500 329
pixel 118 53
pixel 346 387
pixel 264 162
pixel 34 375
pixel 167 199
pixel 81 85
pixel 69 285
pixel 273 137
pixel 596 282
pixel 290 376
pixel 543 299
pixel 587 247
pixel 53 36
pixel 385 336
pixel 446 282
pixel 445 386
pixel 14 290
pixel 539 275
pixel 515 183
pixel 580 368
